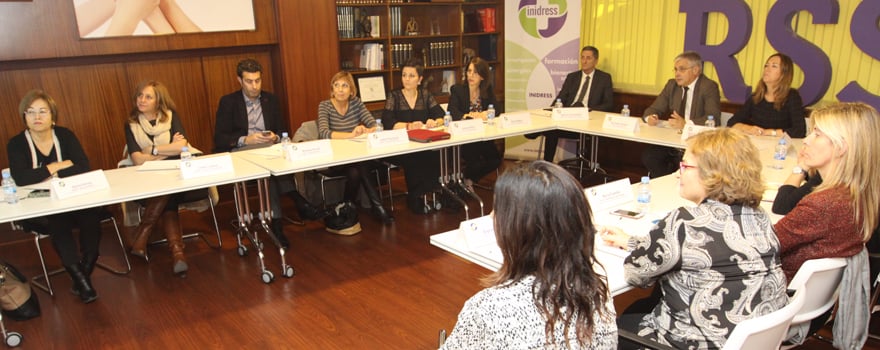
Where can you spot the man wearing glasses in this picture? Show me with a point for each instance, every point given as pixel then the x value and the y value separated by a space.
pixel 689 96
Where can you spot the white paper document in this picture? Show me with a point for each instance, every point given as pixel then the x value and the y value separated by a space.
pixel 151 165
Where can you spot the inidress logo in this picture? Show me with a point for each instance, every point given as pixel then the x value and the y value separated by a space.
pixel 542 18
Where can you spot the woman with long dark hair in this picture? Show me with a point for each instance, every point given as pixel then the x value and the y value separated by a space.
pixel 549 291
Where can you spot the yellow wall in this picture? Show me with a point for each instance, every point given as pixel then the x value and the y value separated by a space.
pixel 637 40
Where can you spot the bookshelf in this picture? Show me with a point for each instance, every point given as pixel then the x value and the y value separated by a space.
pixel 440 32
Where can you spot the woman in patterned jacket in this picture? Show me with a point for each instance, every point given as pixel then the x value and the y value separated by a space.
pixel 716 263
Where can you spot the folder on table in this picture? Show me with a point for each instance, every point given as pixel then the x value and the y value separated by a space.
pixel 425 135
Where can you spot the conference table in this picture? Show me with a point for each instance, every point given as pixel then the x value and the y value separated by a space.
pixel 664 193
pixel 128 184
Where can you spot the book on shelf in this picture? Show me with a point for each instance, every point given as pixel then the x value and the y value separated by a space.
pixel 448 81
pixel 489 47
pixel 371 56
pixel 374 26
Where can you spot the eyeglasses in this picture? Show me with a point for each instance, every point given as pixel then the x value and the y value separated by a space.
pixel 682 167
pixel 340 86
pixel 33 113
pixel 682 69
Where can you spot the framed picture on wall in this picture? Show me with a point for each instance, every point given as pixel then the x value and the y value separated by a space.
pixel 371 88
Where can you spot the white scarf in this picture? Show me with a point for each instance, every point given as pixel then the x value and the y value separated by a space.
pixel 34 163
pixel 143 129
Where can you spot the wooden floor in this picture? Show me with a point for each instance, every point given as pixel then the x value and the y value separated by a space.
pixel 385 288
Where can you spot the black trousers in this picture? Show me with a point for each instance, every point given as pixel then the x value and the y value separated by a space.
pixel 480 158
pixel 421 172
pixel 661 160
pixel 60 229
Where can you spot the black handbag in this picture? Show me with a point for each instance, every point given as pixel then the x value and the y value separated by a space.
pixel 17 299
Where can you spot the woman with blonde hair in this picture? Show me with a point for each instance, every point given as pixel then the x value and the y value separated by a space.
pixel 154 131
pixel 344 116
pixel 837 218
pixel 716 263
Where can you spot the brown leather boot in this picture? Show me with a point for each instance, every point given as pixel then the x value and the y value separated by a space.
pixel 171 223
pixel 153 210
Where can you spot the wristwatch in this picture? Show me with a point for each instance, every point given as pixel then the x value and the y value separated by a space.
pixel 797 170
pixel 155 152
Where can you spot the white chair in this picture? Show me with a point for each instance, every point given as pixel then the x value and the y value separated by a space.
pixel 762 332
pixel 767 331
pixel 820 279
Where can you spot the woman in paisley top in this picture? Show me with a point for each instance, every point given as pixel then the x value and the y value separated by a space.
pixel 548 293
pixel 716 263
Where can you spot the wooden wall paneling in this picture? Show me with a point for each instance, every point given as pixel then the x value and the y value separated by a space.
pixel 220 76
pixel 185 83
pixel 308 54
pixel 14 85
pixel 92 102
pixel 48 29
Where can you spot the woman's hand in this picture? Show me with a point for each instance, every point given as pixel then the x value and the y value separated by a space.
pixel 430 123
pixel 476 115
pixel 414 125
pixel 613 236
pixel 358 131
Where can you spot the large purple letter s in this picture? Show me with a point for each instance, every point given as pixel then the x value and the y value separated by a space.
pixel 863 28
pixel 813 62
pixel 740 18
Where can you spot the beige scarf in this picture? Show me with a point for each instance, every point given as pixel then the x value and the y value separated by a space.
pixel 161 133
pixel 143 129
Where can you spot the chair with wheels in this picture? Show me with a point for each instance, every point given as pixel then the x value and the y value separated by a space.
pixel 38 229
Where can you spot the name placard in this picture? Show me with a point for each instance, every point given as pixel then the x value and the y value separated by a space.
pixel 465 127
pixel 621 123
pixel 514 120
pixel 690 129
pixel 478 233
pixel 387 138
pixel 309 149
pixel 77 185
pixel 609 195
pixel 571 113
pixel 206 166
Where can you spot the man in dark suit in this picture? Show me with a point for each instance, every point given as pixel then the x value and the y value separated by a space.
pixel 588 87
pixel 252 117
pixel 689 96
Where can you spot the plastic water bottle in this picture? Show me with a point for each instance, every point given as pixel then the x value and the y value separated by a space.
pixel 710 123
pixel 644 195
pixel 490 115
pixel 285 144
pixel 447 119
pixel 625 111
pixel 379 126
pixel 558 103
pixel 10 192
pixel 185 155
pixel 779 154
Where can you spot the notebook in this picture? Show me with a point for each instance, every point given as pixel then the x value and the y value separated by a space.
pixel 425 135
